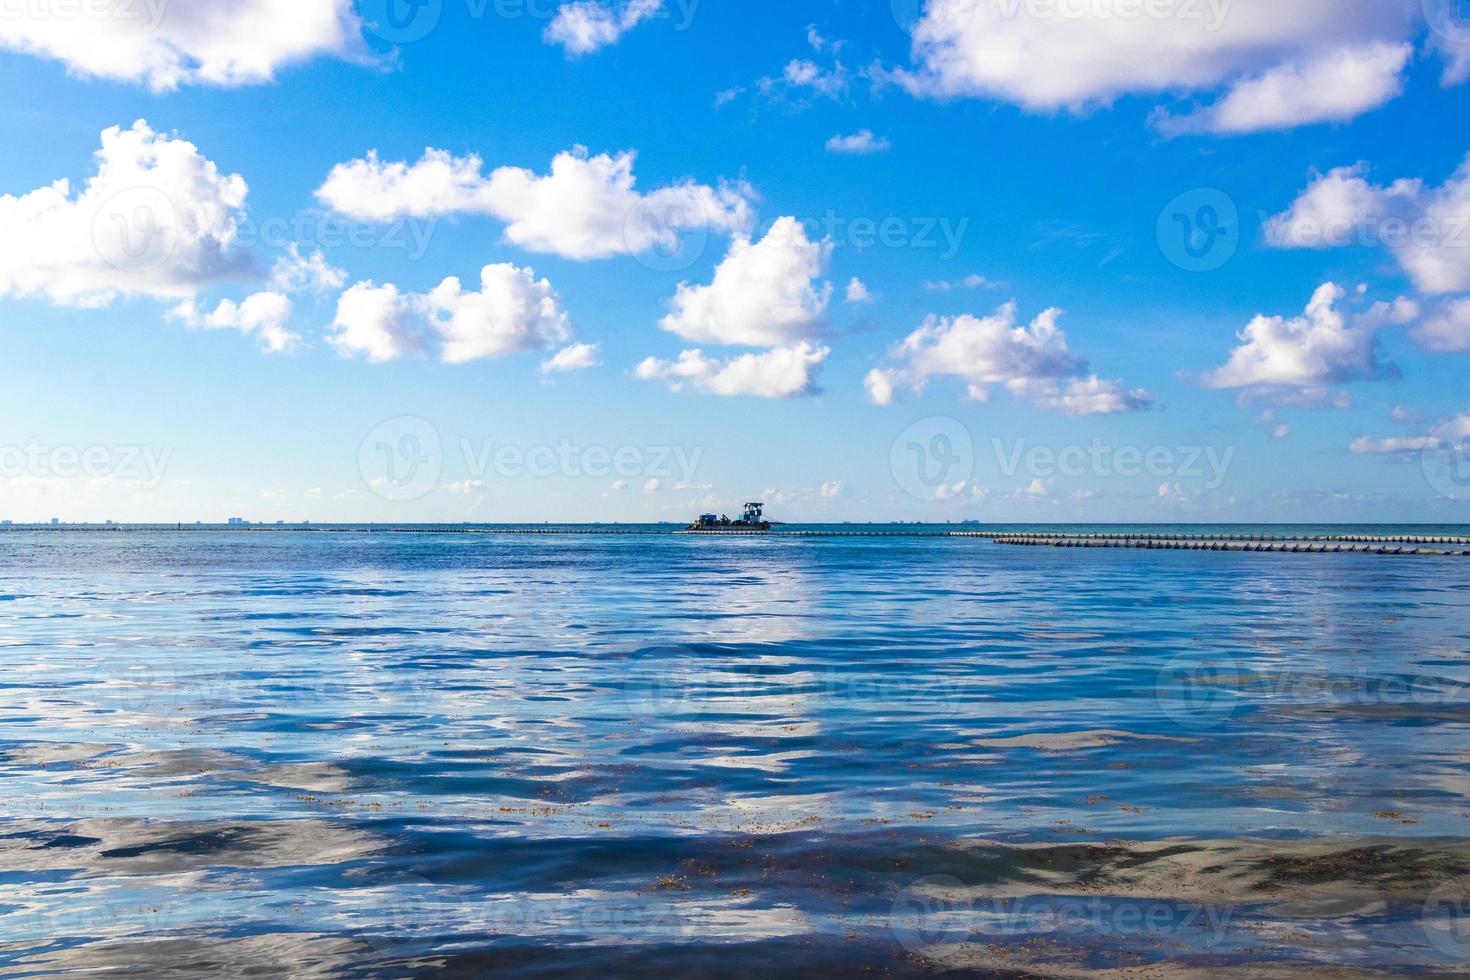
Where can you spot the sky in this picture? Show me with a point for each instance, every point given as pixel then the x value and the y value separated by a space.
pixel 522 260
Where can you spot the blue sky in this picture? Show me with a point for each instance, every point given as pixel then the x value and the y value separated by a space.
pixel 208 381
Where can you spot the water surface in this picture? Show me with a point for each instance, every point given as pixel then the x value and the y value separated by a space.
pixel 374 754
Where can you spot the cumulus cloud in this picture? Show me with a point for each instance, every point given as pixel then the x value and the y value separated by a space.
pixel 262 315
pixel 857 291
pixel 168 43
pixel 376 321
pixel 297 273
pixel 832 489
pixel 785 372
pixel 1272 65
pixel 587 25
pixel 1333 87
pixel 763 294
pixel 575 357
pixel 1313 351
pixel 513 312
pixel 587 207
pixel 1427 229
pixel 1447 329
pixel 1030 360
pixel 157 219
pixel 862 142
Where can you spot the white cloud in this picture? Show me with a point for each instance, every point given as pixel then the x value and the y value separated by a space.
pixel 653 485
pixel 1312 351
pixel 297 273
pixel 832 489
pixel 857 291
pixel 785 372
pixel 377 321
pixel 802 76
pixel 168 43
pixel 1319 59
pixel 263 315
pixel 1427 229
pixel 862 142
pixel 1447 329
pixel 1030 360
pixel 587 207
pixel 972 281
pixel 576 357
pixel 1088 396
pixel 762 295
pixel 587 25
pixel 1393 445
pixel 157 219
pixel 1335 86
pixel 513 312
pixel 882 385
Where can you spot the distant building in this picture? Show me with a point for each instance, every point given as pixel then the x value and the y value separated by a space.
pixel 55 520
pixel 238 522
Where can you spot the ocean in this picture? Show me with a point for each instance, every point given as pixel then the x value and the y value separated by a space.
pixel 363 753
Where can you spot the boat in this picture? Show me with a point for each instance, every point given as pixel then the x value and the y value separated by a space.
pixel 752 520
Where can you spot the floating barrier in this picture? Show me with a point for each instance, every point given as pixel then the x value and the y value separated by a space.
pixel 1334 545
